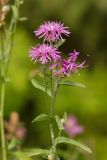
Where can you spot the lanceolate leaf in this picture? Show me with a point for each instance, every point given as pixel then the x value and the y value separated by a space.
pixel 21 155
pixel 59 43
pixel 58 120
pixel 41 117
pixel 70 83
pixel 37 152
pixel 29 153
pixel 65 116
pixel 39 86
pixel 73 142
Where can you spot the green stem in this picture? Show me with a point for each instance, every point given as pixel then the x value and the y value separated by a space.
pixel 54 93
pixel 10 38
pixel 3 143
pixel 6 54
pixel 2 42
pixel 2 99
pixel 45 82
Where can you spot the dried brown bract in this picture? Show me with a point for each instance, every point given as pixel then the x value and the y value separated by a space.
pixel 15 128
pixel 4 9
pixel 4 2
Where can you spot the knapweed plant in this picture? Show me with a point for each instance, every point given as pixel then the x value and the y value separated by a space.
pixel 54 69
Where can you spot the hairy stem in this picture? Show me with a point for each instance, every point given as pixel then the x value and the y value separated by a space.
pixel 45 82
pixel 54 93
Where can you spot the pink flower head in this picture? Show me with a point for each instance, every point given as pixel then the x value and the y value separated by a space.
pixel 66 67
pixel 72 127
pixel 52 31
pixel 44 53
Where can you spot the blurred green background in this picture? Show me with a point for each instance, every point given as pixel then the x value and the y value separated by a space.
pixel 87 20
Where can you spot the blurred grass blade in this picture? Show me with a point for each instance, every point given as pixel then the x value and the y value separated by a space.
pixel 41 117
pixel 73 142
pixel 39 86
pixel 70 83
pixel 58 121
pixel 59 43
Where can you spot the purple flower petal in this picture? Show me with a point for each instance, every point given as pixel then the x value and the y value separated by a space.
pixel 52 31
pixel 66 67
pixel 44 53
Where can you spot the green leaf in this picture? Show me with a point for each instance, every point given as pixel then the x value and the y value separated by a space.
pixel 70 83
pixel 59 43
pixel 29 153
pixel 41 117
pixel 12 143
pixel 37 152
pixel 39 86
pixel 59 123
pixel 65 116
pixel 73 142
pixel 21 155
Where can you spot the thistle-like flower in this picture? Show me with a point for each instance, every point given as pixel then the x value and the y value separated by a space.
pixel 66 67
pixel 52 31
pixel 44 53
